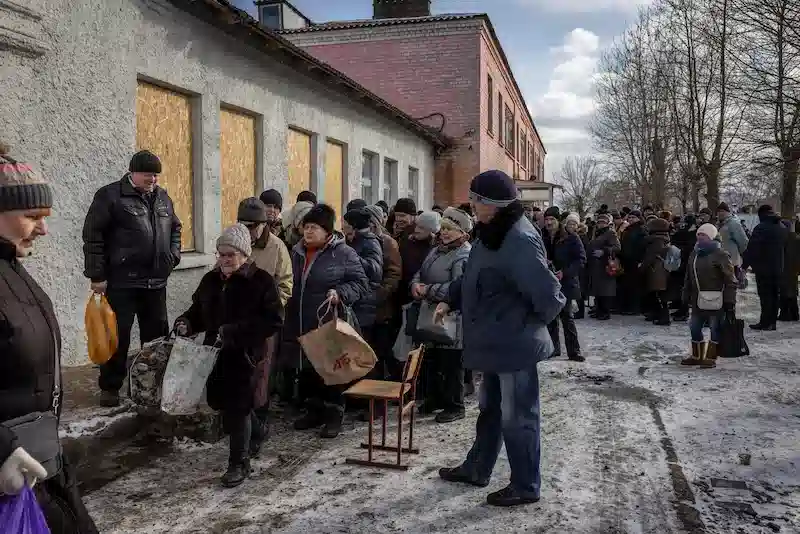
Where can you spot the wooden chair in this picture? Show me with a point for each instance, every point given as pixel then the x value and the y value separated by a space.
pixel 404 393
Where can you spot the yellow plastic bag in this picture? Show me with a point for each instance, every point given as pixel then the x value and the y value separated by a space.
pixel 101 329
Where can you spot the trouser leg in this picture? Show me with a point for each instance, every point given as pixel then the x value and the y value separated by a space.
pixel 112 373
pixel 521 428
pixel 453 380
pixel 151 312
pixel 239 426
pixel 696 324
pixel 571 341
pixel 485 449
pixel 555 336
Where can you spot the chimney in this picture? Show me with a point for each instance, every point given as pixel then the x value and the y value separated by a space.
pixel 398 9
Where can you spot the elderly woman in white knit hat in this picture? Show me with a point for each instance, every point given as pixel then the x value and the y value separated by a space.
pixel 443 369
pixel 237 305
pixel 30 359
pixel 710 291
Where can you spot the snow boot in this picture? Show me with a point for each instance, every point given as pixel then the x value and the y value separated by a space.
pixel 662 319
pixel 333 422
pixel 109 399
pixel 710 357
pixel 313 418
pixel 697 354
pixel 237 473
pixel 510 496
pixel 463 475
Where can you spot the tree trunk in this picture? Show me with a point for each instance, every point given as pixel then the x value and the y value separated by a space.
pixel 695 196
pixel 712 187
pixel 791 164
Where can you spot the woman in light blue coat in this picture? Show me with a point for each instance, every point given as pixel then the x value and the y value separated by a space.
pixel 507 296
pixel 442 369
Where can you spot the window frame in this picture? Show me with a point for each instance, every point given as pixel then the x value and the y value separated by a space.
pixel 413 187
pixel 372 157
pixel 390 181
pixel 510 130
pixel 500 122
pixel 490 104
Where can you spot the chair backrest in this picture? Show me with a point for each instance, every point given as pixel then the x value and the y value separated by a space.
pixel 413 365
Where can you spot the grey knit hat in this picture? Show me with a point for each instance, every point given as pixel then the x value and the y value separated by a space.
pixel 460 217
pixel 430 221
pixel 376 214
pixel 294 216
pixel 21 187
pixel 238 237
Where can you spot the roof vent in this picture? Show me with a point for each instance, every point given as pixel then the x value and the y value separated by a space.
pixel 399 9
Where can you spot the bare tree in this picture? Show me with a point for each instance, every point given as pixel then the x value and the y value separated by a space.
pixel 768 54
pixel 581 178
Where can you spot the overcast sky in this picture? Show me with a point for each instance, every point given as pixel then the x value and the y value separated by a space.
pixel 552 45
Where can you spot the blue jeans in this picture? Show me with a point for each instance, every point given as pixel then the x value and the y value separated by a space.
pixel 509 413
pixel 699 319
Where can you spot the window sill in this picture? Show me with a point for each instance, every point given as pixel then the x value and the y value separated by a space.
pixel 195 260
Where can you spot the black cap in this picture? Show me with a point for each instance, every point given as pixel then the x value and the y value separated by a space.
pixel 722 206
pixel 252 210
pixel 355 204
pixel 272 197
pixel 406 205
pixel 307 196
pixel 322 215
pixel 358 218
pixel 493 187
pixel 552 211
pixel 145 161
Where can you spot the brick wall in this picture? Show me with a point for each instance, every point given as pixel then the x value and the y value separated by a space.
pixel 493 155
pixel 424 75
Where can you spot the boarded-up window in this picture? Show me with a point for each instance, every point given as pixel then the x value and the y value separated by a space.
pixel 334 177
pixel 164 126
pixel 237 140
pixel 299 163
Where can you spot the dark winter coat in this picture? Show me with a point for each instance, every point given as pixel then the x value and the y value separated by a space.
pixel 335 266
pixel 791 266
pixel 567 255
pixel 245 309
pixel 508 295
pixel 714 273
pixel 30 346
pixel 585 272
pixel 370 252
pixel 656 276
pixel 601 284
pixel 392 272
pixel 632 242
pixel 130 239
pixel 766 248
pixel 413 253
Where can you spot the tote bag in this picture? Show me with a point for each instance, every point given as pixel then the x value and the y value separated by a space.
pixel 336 350
pixel 188 369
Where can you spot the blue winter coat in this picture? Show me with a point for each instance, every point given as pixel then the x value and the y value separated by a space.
pixel 567 254
pixel 336 266
pixel 368 247
pixel 507 297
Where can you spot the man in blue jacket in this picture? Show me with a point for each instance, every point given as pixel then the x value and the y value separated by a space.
pixel 507 297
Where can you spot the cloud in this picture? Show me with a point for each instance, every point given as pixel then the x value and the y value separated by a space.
pixel 563 111
pixel 585 6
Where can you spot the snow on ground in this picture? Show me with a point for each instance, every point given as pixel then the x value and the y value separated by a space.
pixel 632 443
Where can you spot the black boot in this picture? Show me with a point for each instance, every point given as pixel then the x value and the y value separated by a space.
pixel 258 435
pixel 237 472
pixel 313 418
pixel 662 319
pixel 759 326
pixel 462 475
pixel 509 496
pixel 448 416
pixel 333 422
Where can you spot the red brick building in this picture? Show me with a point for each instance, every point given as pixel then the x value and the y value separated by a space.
pixel 449 71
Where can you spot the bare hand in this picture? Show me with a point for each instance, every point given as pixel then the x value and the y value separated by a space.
pixel 99 287
pixel 181 328
pixel 559 275
pixel 333 296
pixel 442 309
pixel 418 291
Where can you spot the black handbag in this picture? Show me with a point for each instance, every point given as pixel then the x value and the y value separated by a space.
pixel 732 341
pixel 412 318
pixel 37 432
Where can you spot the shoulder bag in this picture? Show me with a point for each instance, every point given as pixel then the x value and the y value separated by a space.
pixel 706 300
pixel 37 432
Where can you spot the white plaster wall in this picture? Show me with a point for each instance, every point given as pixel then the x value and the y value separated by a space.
pixel 71 112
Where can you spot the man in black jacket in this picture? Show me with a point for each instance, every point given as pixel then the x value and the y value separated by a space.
pixel 630 289
pixel 765 254
pixel 132 241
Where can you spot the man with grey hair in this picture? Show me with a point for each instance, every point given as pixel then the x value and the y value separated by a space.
pixel 507 296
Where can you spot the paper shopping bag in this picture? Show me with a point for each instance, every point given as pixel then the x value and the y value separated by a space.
pixel 337 352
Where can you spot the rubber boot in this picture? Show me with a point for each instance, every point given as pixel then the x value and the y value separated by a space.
pixel 697 354
pixel 710 357
pixel 333 422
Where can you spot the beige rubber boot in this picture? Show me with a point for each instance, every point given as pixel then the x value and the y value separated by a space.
pixel 697 355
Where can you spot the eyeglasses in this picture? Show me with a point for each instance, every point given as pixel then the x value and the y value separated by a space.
pixel 249 225
pixel 227 255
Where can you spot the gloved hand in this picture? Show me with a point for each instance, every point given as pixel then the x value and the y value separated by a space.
pixel 598 253
pixel 181 327
pixel 19 469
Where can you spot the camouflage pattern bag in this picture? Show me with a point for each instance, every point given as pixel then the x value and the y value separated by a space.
pixel 146 372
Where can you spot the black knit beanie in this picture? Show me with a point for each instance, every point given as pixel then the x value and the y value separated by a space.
pixel 406 205
pixel 307 196
pixel 252 210
pixel 355 204
pixel 322 215
pixel 358 218
pixel 272 197
pixel 552 211
pixel 21 187
pixel 493 187
pixel 384 206
pixel 145 161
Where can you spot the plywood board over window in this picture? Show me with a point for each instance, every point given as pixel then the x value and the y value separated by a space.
pixel 299 163
pixel 164 126
pixel 334 177
pixel 238 151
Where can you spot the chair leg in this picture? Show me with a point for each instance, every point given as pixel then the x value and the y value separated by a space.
pixel 399 435
pixel 385 417
pixel 371 423
pixel 411 430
